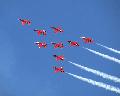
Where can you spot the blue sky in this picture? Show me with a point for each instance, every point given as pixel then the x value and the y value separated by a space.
pixel 26 70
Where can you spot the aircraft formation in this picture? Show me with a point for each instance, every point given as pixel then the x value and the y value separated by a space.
pixel 71 43
pixel 41 32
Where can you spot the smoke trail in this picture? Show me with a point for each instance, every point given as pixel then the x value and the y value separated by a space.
pixel 104 56
pixel 96 72
pixel 99 84
pixel 111 49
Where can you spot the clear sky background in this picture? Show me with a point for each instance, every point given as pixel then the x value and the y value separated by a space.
pixel 26 70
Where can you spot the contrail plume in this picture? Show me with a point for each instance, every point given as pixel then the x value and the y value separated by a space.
pixel 96 72
pixel 104 56
pixel 111 49
pixel 99 84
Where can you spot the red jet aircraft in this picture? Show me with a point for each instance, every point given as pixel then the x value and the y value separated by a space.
pixel 24 21
pixel 58 45
pixel 40 32
pixel 57 29
pixel 87 39
pixel 73 43
pixel 41 44
pixel 58 69
pixel 61 57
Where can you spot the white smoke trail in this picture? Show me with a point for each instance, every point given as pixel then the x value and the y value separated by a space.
pixel 111 49
pixel 104 56
pixel 99 84
pixel 96 72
